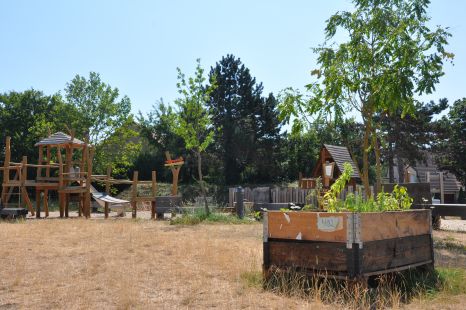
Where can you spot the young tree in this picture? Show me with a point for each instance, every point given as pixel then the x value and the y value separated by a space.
pixel 193 122
pixel 390 56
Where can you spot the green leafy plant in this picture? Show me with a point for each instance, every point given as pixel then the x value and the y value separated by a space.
pixel 398 199
pixel 330 200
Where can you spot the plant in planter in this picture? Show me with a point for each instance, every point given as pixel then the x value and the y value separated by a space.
pixel 354 238
pixel 397 200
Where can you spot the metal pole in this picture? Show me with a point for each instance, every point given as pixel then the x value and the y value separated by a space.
pixel 239 192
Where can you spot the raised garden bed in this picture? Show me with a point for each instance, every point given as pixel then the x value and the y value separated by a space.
pixel 347 245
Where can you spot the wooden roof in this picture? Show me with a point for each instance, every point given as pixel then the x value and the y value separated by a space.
pixel 341 155
pixel 60 138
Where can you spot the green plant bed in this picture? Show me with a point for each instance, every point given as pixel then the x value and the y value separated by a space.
pixel 397 200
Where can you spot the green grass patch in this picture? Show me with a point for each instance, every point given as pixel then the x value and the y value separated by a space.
pixel 449 243
pixel 252 279
pixel 453 280
pixel 200 216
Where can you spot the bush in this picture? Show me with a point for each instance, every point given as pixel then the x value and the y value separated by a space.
pixel 200 216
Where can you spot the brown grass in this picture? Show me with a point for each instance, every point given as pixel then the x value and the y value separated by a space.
pixel 123 264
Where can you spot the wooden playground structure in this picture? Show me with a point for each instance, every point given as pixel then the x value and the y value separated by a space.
pixel 65 166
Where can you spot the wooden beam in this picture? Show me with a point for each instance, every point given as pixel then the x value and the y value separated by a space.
pixel 6 172
pixel 87 195
pixel 154 183
pixel 107 189
pixel 46 202
pixel 134 194
pixel 60 182
pixel 24 193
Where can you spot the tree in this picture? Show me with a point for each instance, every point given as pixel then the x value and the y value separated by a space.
pixel 407 138
pixel 452 147
pixel 100 113
pixel 390 56
pixel 244 121
pixel 28 116
pixel 156 129
pixel 193 122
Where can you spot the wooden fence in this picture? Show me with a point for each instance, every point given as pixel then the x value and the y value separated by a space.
pixel 285 195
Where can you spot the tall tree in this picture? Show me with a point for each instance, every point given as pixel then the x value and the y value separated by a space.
pixel 390 56
pixel 193 121
pixel 406 138
pixel 243 120
pixel 452 148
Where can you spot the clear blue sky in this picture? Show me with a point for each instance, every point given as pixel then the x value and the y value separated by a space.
pixel 137 45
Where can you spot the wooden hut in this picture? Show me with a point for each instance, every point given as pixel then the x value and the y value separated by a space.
pixel 330 165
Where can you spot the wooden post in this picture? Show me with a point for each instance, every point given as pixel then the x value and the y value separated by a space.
pixel 134 194
pixel 81 204
pixel 107 188
pixel 23 178
pixel 154 183
pixel 67 202
pixel 46 202
pixel 39 174
pixel 87 195
pixel 153 208
pixel 68 167
pixel 38 204
pixel 154 195
pixel 82 166
pixel 175 173
pixel 40 161
pixel 60 182
pixel 6 171
pixel 442 194
pixel 49 154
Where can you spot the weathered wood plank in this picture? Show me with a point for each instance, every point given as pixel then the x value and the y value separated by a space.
pixel 388 225
pixel 393 253
pixel 313 255
pixel 318 226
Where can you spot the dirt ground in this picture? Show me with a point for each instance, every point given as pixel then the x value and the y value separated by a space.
pixel 125 263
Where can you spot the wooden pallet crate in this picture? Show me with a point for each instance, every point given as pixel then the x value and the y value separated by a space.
pixel 347 245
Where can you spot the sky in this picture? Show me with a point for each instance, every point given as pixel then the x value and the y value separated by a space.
pixel 136 46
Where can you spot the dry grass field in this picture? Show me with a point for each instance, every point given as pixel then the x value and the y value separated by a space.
pixel 124 263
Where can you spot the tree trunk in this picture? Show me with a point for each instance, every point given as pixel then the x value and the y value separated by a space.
pixel 401 169
pixel 378 165
pixel 391 164
pixel 201 181
pixel 365 158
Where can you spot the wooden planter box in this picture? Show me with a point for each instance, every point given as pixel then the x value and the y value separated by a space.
pixel 347 245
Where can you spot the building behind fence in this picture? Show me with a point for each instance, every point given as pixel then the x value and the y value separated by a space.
pixel 286 195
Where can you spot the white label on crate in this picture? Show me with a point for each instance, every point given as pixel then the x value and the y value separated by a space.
pixel 329 223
